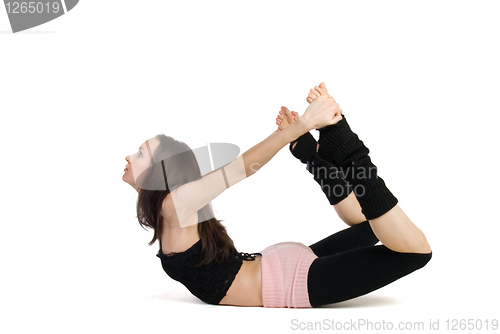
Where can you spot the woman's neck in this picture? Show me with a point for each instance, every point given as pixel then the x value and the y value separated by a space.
pixel 178 240
pixel 173 232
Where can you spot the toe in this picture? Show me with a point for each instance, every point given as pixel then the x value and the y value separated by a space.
pixel 318 90
pixel 281 119
pixel 289 116
pixel 322 86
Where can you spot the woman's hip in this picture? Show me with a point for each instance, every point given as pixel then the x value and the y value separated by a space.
pixel 285 269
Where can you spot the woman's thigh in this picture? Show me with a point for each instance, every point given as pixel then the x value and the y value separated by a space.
pixel 356 236
pixel 353 273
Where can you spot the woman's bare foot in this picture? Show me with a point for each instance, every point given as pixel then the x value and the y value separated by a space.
pixel 285 118
pixel 317 91
pixel 314 93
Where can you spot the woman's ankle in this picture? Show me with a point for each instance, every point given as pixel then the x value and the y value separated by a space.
pixel 339 145
pixel 304 147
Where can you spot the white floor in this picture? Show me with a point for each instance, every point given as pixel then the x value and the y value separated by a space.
pixel 128 306
pixel 102 291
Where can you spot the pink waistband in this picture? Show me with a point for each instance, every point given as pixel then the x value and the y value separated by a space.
pixel 284 275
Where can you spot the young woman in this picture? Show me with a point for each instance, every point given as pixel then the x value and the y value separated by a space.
pixel 174 201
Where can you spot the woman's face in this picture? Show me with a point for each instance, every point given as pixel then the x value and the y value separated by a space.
pixel 140 161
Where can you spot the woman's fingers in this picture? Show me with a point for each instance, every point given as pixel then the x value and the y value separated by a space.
pixel 322 111
pixel 337 118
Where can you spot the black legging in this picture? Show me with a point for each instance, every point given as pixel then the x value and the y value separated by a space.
pixel 349 265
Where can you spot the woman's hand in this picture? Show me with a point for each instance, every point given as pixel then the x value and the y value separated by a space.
pixel 323 111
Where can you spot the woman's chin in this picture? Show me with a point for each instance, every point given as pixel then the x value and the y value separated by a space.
pixel 124 179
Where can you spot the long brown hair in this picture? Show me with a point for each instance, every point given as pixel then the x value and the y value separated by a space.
pixel 179 160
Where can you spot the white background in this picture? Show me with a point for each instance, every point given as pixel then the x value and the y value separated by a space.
pixel 417 80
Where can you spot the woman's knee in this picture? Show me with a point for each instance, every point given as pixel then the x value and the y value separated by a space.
pixel 419 260
pixel 426 258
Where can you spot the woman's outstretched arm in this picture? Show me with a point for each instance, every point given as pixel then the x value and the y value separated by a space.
pixel 193 196
pixel 263 152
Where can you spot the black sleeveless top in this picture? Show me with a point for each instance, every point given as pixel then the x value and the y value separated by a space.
pixel 209 282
